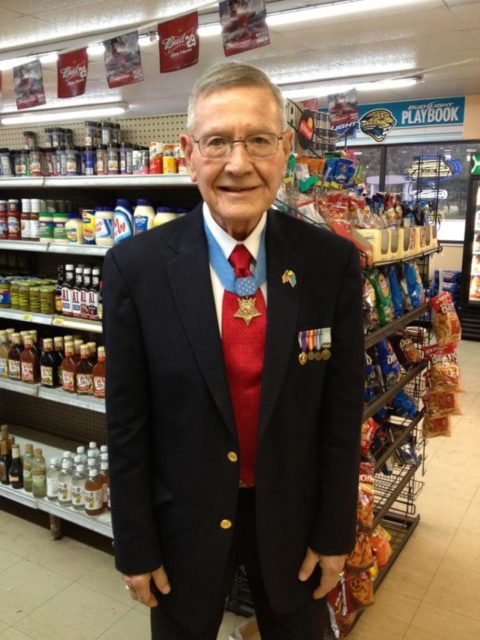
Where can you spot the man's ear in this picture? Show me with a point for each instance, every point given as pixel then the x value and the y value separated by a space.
pixel 187 144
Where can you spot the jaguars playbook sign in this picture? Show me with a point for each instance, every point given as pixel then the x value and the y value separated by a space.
pixel 414 117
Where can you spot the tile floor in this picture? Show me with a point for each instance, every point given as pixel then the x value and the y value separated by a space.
pixel 67 590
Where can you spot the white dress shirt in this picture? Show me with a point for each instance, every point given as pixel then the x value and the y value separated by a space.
pixel 227 245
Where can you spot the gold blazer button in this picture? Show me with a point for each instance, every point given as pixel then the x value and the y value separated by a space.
pixel 226 524
pixel 232 456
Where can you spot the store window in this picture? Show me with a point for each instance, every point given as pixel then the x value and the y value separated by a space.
pixel 437 172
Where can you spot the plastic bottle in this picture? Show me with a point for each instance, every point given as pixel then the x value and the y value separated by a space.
pixel 52 479
pixel 39 475
pixel 123 221
pixel 93 493
pixel 88 221
pixel 3 355
pixel 163 215
pixel 27 467
pixel 104 227
pixel 143 216
pixel 76 291
pixel 78 487
pixel 99 375
pixel 65 484
pixel 74 228
pixel 83 456
pixel 105 477
pixel 67 288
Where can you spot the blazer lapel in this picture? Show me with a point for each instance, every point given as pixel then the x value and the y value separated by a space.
pixel 189 274
pixel 282 310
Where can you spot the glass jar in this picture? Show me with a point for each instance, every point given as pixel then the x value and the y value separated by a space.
pixel 47 299
pixel 106 132
pixel 116 134
pixel 36 162
pixel 21 163
pixel 71 161
pixel 35 299
pixel 102 159
pixel 29 140
pixel 113 162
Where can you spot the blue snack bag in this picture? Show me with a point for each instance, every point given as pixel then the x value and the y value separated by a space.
pixel 404 405
pixel 389 364
pixel 395 292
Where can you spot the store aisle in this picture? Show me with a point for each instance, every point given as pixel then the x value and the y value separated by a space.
pixel 66 590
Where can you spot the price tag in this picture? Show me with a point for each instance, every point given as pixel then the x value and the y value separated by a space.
pixel 27 317
pixel 58 321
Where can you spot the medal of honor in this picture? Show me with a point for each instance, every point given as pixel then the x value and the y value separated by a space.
pixel 246 310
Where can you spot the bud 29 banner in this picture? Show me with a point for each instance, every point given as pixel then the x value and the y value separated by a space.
pixel 178 42
pixel 72 69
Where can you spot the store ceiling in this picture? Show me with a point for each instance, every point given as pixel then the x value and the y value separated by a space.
pixel 411 39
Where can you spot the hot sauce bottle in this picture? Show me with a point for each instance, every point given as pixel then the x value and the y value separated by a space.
pixel 84 372
pixel 68 369
pixel 48 365
pixel 14 355
pixel 99 375
pixel 30 369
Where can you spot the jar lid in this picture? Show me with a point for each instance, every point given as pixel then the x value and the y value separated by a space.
pixel 74 216
pixel 123 203
pixel 144 202
pixel 164 210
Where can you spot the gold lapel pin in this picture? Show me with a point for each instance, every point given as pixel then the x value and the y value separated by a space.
pixel 289 277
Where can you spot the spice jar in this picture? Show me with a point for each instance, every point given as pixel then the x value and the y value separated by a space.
pixel 71 161
pixel 36 161
pixel 126 158
pixel 113 163
pixel 106 132
pixel 5 163
pixel 102 159
pixel 89 160
pixel 29 140
pixel 21 163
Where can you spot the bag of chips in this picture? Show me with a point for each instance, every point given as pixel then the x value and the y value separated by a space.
pixel 404 405
pixel 395 292
pixel 359 588
pixel 434 426
pixel 444 374
pixel 382 293
pixel 389 365
pixel 361 558
pixel 380 541
pixel 412 286
pixel 370 313
pixel 406 352
pixel 365 496
pixel 373 386
pixel 369 429
pixel 446 324
pixel 441 403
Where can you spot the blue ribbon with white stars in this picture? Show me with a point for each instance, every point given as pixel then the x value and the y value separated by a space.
pixel 226 274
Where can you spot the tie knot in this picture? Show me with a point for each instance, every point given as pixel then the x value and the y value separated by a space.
pixel 240 259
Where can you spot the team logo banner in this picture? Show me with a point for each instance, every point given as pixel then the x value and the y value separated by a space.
pixel 178 42
pixel 123 62
pixel 28 83
pixel 72 69
pixel 243 25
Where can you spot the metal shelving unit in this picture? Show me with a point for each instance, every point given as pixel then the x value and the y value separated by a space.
pixel 66 322
pixel 66 182
pixel 54 395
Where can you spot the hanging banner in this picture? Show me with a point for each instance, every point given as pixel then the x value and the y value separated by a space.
pixel 343 110
pixel 28 83
pixel 123 62
pixel 178 43
pixel 1 89
pixel 72 69
pixel 243 25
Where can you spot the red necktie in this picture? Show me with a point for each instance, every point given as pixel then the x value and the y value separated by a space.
pixel 243 352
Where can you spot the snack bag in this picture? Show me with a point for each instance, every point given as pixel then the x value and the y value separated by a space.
pixel 341 611
pixel 406 352
pixel 412 286
pixel 404 405
pixel 369 429
pixel 383 298
pixel 366 496
pixel 444 374
pixel 389 365
pixel 373 387
pixel 446 324
pixel 361 558
pixel 380 541
pixel 359 588
pixel 441 403
pixel 396 292
pixel 434 426
pixel 370 313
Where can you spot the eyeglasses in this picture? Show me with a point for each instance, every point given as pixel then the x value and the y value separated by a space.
pixel 259 145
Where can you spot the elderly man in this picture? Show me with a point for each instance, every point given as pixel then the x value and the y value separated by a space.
pixel 234 385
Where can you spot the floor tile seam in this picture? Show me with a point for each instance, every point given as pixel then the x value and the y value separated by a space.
pixel 21 631
pixel 102 593
pixel 412 619
pixel 49 568
pixel 117 620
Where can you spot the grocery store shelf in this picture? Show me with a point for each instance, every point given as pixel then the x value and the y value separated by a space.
pixel 54 395
pixel 416 256
pixel 392 327
pixel 53 247
pixel 58 321
pixel 72 399
pixel 159 180
pixel 390 450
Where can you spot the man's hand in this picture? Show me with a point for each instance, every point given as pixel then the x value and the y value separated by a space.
pixel 139 586
pixel 332 567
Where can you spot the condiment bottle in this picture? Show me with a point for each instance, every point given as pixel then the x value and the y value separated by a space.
pixel 58 355
pixel 48 365
pixel 123 221
pixel 78 486
pixel 99 374
pixel 84 293
pixel 67 287
pixel 68 369
pixel 93 493
pixel 93 294
pixel 84 372
pixel 76 292
pixel 29 363
pixel 39 475
pixel 143 216
pixel 3 355
pixel 4 462
pixel 105 476
pixel 15 473
pixel 27 467
pixel 14 355
pixel 77 343
pixel 52 479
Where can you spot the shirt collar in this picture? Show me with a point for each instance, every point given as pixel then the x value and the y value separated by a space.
pixel 226 242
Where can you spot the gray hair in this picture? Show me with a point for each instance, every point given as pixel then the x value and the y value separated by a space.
pixel 232 74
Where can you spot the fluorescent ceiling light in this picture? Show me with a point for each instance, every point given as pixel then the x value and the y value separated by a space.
pixel 307 14
pixel 314 74
pixel 320 91
pixel 54 115
pixel 6 65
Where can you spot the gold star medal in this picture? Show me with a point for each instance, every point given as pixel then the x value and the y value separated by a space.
pixel 246 310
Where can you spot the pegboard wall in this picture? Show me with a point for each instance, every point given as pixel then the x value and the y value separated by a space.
pixel 78 425
pixel 140 131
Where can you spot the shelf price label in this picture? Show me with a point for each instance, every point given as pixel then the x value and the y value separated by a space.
pixel 27 317
pixel 58 321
